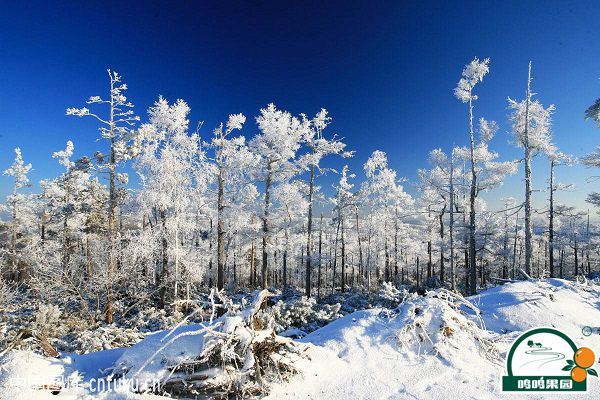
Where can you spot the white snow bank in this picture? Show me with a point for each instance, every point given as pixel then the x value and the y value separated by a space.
pixel 561 304
pixel 26 375
pixel 146 360
pixel 439 352
pixel 432 347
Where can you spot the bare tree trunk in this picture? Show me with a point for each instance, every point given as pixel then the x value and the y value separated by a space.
pixel 320 258
pixel 587 238
pixel 418 282
pixel 562 255
pixel 343 242
pixel 165 262
pixel 360 253
pixel 335 248
pixel 528 230
pixel 451 227
pixel 551 221
pixel 472 288
pixel 309 232
pixel 265 264
pixel 221 230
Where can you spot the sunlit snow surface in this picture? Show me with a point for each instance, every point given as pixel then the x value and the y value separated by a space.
pixel 364 355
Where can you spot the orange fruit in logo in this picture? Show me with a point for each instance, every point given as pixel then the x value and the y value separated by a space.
pixel 578 374
pixel 584 357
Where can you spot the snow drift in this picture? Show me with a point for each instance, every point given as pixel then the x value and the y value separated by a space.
pixel 436 346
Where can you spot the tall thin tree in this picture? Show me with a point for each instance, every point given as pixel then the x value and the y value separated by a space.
pixel 118 131
pixel 472 74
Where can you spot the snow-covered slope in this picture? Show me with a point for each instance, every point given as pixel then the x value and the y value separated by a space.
pixel 524 305
pixel 438 346
pixel 364 355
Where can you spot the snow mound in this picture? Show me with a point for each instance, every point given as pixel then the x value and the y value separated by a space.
pixel 436 346
pixel 26 375
pixel 557 303
pixel 236 354
pixel 440 345
pixel 436 324
pixel 427 347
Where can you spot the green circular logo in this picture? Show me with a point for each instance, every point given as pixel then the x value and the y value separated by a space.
pixel 547 360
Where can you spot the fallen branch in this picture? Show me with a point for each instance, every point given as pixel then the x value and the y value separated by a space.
pixel 525 275
pixel 503 280
pixel 241 355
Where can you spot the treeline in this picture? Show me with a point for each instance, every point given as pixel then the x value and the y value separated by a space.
pixel 233 212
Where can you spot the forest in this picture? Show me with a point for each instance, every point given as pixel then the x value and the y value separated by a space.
pixel 267 202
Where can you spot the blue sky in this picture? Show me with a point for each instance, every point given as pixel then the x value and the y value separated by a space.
pixel 384 70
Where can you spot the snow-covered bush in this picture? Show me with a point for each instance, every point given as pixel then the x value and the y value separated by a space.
pixel 25 375
pixel 151 319
pixel 304 314
pixel 390 296
pixel 437 324
pixel 102 338
pixel 352 300
pixel 6 294
pixel 47 319
pixel 236 355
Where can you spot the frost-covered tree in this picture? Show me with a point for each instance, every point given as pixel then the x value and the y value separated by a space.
pixel 65 198
pixel 531 123
pixel 574 232
pixel 18 171
pixel 441 181
pixel 117 129
pixel 342 201
pixel 592 160
pixel 472 74
pixel 275 148
pixel 94 198
pixel 385 197
pixel 556 159
pixel 508 211
pixel 488 173
pixel 225 151
pixel 168 157
pixel 293 208
pixel 318 148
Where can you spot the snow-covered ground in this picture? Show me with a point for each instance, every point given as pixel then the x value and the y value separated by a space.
pixel 430 347
pixel 359 356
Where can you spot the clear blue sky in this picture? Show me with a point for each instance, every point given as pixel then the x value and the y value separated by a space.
pixel 384 70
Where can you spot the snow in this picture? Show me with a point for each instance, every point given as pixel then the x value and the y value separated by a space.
pixel 176 346
pixel 552 302
pixel 359 357
pixel 437 346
